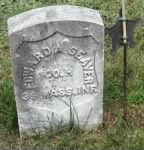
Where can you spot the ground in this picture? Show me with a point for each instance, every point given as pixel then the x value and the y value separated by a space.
pixel 115 132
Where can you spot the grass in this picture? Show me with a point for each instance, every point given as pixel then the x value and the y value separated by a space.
pixel 113 134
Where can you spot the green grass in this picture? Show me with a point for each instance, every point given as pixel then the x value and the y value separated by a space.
pixel 108 137
pixel 114 134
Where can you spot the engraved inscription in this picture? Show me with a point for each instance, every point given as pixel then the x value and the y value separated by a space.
pixel 50 71
pixel 56 73
pixel 88 89
pixel 28 74
pixel 87 64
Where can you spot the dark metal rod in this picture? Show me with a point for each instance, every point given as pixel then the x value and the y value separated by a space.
pixel 125 83
pixel 125 44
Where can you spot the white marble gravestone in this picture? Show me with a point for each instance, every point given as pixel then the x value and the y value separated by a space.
pixel 58 59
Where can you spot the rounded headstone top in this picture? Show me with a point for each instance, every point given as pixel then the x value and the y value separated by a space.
pixel 51 14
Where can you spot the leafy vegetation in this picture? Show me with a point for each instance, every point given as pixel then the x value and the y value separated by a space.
pixel 113 135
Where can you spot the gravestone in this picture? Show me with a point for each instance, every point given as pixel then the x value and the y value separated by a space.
pixel 57 58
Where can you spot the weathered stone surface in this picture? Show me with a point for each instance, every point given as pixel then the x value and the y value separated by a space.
pixel 57 59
